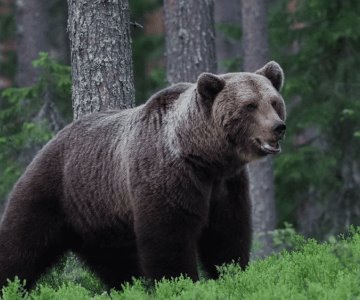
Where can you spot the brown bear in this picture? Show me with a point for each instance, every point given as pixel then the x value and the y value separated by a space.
pixel 151 190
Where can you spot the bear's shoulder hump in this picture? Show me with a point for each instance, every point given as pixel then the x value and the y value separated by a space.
pixel 167 96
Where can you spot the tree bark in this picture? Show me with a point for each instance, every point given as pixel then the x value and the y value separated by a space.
pixel 256 54
pixel 190 39
pixel 226 47
pixel 101 59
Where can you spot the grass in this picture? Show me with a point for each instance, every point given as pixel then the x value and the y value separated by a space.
pixel 312 270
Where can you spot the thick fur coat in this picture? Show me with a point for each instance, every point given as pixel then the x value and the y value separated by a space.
pixel 147 191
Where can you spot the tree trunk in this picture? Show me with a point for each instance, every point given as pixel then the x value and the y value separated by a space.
pixel 101 59
pixel 190 39
pixel 256 54
pixel 227 47
pixel 32 23
pixel 32 17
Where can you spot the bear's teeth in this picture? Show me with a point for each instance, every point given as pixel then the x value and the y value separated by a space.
pixel 269 148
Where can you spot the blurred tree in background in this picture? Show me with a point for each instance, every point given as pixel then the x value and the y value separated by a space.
pixel 256 53
pixel 34 107
pixel 318 174
pixel 7 44
pixel 228 36
pixel 28 124
pixel 148 47
pixel 316 41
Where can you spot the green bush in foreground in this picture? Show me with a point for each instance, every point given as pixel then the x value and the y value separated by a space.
pixel 314 270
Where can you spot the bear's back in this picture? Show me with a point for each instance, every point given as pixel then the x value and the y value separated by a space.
pixel 98 152
pixel 93 157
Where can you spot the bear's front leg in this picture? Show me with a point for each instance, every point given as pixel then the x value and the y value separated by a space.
pixel 227 237
pixel 167 242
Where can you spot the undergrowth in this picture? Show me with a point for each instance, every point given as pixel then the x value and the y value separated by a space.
pixel 311 270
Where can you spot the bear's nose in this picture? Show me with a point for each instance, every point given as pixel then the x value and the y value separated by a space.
pixel 279 129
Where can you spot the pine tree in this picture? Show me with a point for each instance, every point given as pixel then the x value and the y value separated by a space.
pixel 190 39
pixel 101 58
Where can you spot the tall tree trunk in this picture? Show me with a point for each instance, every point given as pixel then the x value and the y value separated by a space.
pixel 190 39
pixel 227 47
pixel 32 24
pixel 101 59
pixel 256 54
pixel 32 17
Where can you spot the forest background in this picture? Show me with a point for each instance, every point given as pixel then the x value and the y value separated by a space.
pixel 317 42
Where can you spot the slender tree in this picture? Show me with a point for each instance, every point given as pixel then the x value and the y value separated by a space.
pixel 190 39
pixel 256 54
pixel 101 59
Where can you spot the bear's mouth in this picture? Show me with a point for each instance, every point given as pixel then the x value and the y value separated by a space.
pixel 269 147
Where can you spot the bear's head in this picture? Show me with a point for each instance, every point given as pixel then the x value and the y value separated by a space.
pixel 247 109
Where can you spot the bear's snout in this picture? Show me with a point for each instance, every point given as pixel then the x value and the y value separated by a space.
pixel 279 129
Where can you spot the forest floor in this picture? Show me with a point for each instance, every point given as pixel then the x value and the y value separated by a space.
pixel 309 270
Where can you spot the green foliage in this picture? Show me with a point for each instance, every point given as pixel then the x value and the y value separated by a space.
pixel 232 65
pixel 148 51
pixel 318 47
pixel 314 271
pixel 287 238
pixel 14 290
pixel 280 239
pixel 140 8
pixel 55 78
pixel 7 36
pixel 71 270
pixel 148 77
pixel 19 106
pixel 230 31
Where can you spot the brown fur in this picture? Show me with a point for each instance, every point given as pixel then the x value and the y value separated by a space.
pixel 141 192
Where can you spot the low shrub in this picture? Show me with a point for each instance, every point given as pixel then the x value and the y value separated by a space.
pixel 329 270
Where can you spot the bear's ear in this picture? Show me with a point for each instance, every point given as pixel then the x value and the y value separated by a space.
pixel 209 85
pixel 274 73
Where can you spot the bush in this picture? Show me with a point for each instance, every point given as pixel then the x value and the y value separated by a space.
pixel 314 271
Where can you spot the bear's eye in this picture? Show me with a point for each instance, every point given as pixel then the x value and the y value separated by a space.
pixel 251 106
